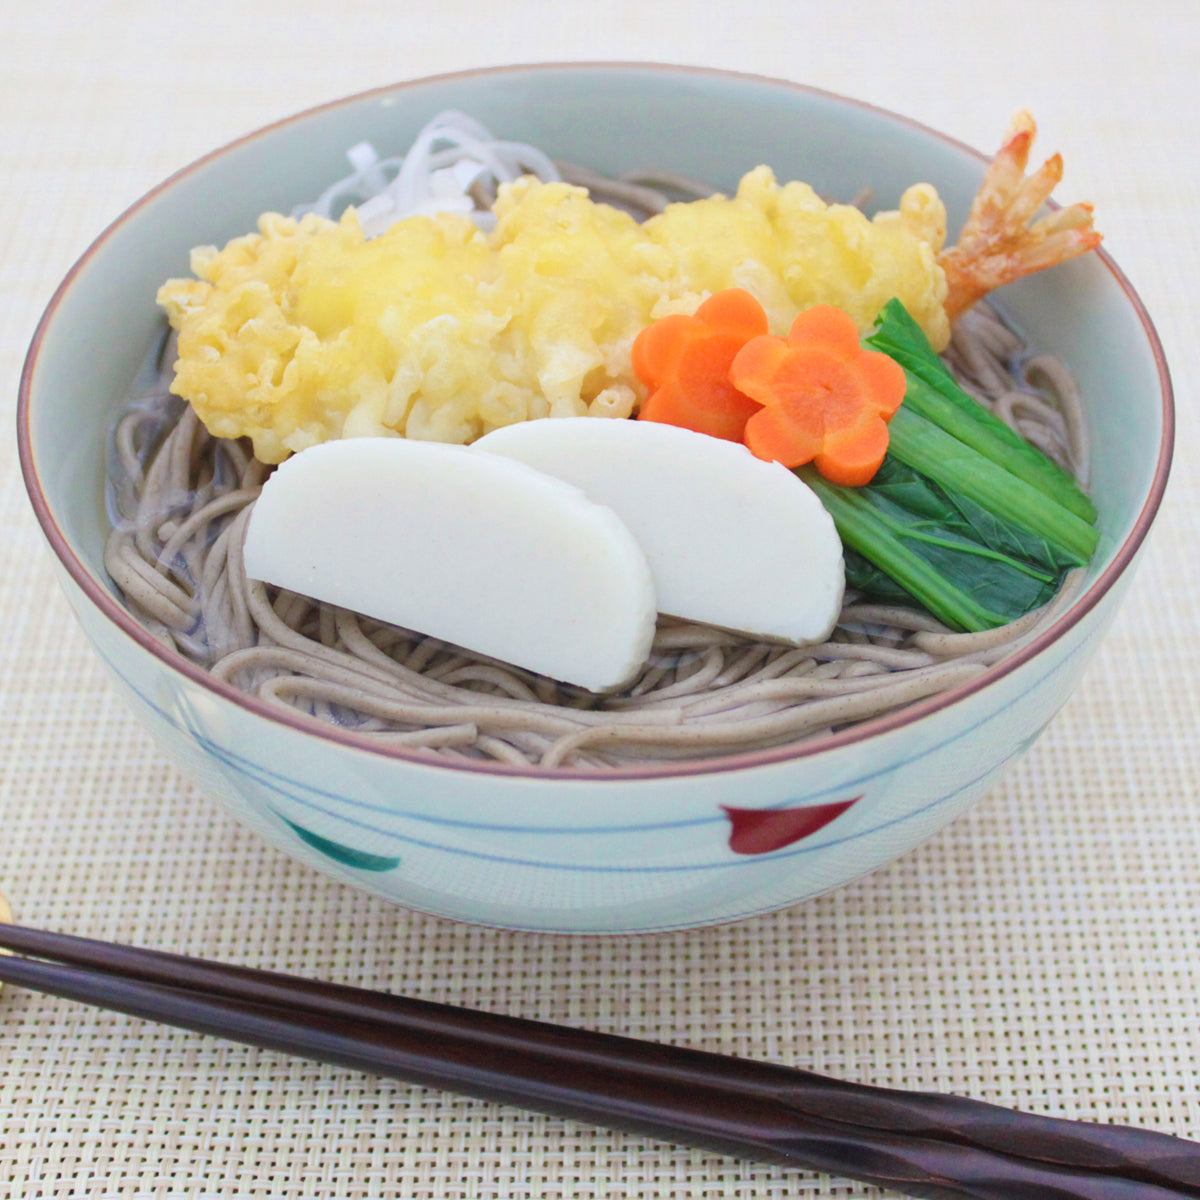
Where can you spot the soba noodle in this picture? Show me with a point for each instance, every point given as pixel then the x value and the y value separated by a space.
pixel 180 501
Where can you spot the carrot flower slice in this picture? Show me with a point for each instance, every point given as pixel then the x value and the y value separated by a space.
pixel 824 399
pixel 684 362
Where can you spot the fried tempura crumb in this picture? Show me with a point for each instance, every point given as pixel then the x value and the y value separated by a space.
pixel 307 331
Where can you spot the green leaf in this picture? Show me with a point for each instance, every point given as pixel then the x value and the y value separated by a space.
pixel 907 539
pixel 922 445
pixel 935 394
pixel 915 493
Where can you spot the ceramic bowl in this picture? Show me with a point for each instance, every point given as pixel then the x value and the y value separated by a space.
pixel 576 851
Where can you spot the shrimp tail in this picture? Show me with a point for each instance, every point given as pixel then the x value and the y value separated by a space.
pixel 1001 240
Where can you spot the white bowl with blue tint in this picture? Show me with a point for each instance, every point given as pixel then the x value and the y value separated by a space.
pixel 629 849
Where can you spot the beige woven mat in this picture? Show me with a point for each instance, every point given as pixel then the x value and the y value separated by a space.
pixel 1042 952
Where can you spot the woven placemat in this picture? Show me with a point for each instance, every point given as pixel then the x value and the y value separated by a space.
pixel 1041 952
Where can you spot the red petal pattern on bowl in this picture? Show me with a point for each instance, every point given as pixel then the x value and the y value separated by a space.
pixel 758 830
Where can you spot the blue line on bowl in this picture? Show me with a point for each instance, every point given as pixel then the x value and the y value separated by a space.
pixel 277 782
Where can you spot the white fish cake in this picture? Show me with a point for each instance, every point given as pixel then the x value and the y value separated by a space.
pixel 731 540
pixel 468 547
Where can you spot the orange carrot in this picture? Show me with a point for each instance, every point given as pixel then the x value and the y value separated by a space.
pixel 824 399
pixel 684 362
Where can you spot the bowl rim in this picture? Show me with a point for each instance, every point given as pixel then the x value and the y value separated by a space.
pixel 107 604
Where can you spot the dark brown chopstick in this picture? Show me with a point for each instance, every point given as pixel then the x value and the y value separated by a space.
pixel 921 1144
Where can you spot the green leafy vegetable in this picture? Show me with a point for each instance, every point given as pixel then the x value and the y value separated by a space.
pixel 965 517
pixel 935 394
pixel 925 447
pixel 907 539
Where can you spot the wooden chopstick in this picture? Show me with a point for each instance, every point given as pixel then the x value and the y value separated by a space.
pixel 922 1144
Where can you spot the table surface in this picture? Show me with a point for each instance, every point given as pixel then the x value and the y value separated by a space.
pixel 1041 952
